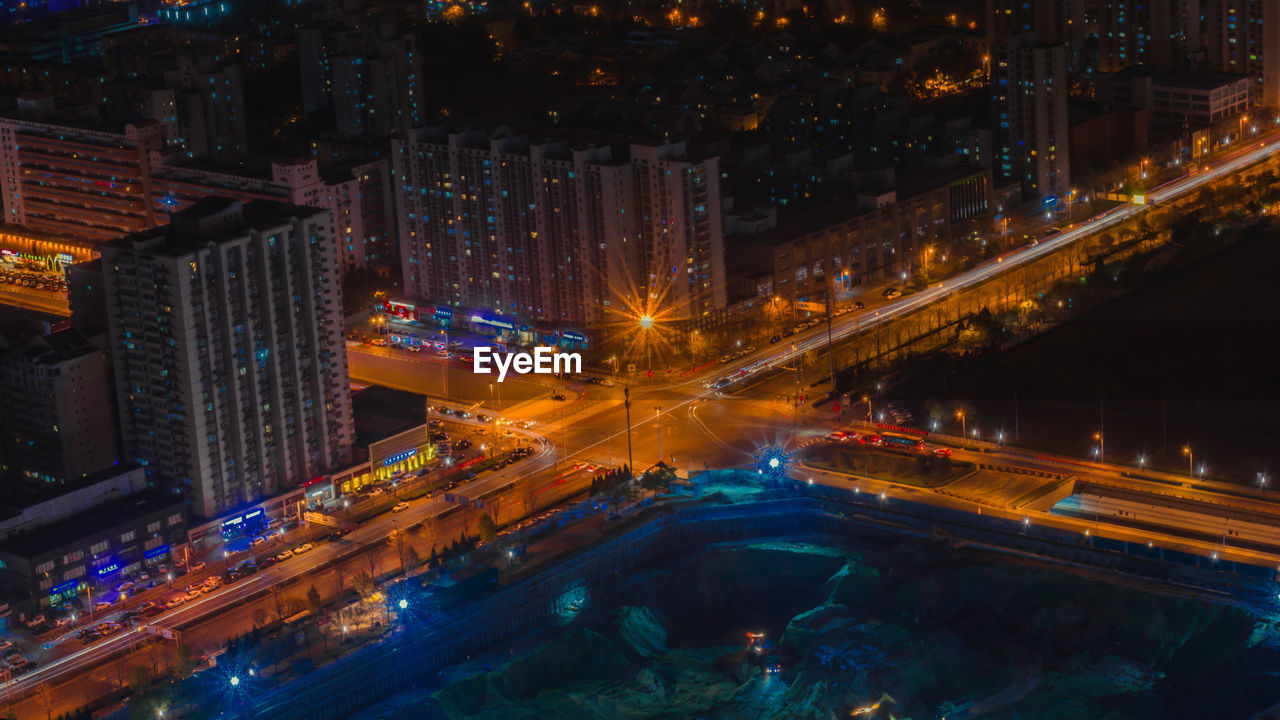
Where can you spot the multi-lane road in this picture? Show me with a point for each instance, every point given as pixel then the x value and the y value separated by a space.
pixel 682 420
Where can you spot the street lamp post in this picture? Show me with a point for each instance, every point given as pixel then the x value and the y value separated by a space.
pixel 646 324
pixel 1186 450
pixel 657 414
pixel 1102 448
pixel 960 414
pixel 867 399
pixel 626 403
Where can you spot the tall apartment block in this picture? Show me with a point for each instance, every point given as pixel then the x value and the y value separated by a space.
pixel 371 75
pixel 1243 37
pixel 58 425
pixel 78 183
pixel 546 231
pixel 1030 91
pixel 1161 33
pixel 228 352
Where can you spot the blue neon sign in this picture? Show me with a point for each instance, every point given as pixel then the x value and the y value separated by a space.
pixel 399 456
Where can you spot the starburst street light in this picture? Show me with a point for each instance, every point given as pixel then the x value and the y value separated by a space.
pixel 646 321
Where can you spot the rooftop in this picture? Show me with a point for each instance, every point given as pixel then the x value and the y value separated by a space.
pixel 111 514
pixel 212 220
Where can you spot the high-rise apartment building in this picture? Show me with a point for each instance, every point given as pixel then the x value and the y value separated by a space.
pixel 227 347
pixel 1243 37
pixel 550 232
pixel 77 183
pixel 58 422
pixel 1161 33
pixel 370 74
pixel 1030 90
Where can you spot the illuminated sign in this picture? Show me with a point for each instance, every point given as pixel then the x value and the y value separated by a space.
pixel 400 456
pixel 65 259
pixel 156 552
pixel 64 587
pixel 1139 199
pixel 505 325
pixel 233 521
pixel 253 514
pixel 108 569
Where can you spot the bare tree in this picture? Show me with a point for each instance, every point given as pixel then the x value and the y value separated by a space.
pixel 44 698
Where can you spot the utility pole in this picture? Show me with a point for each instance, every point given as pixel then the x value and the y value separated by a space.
pixel 657 414
pixel 831 353
pixel 626 403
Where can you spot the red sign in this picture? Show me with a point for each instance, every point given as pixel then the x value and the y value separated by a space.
pixel 900 429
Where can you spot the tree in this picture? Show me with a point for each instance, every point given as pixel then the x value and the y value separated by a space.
pixel 399 541
pixel 364 585
pixel 278 601
pixel 487 528
pixel 44 698
pixel 314 603
pixel 139 677
pixel 698 345
pixel 658 478
pixel 182 662
pixel 411 560
pixel 260 618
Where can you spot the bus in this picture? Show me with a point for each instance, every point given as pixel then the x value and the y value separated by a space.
pixel 902 442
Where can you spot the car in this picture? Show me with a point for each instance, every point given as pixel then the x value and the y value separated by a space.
pixel 775 339
pixel 259 540
pixel 606 383
pixel 559 396
pixel 101 605
pixel 462 444
pixel 378 342
pixel 124 586
pixel 144 607
pixel 305 547
pixel 400 506
pixel 175 600
pixel 196 567
pixel 62 621
pixel 462 414
pixel 267 562
pixel 153 611
pixel 435 424
pixel 194 592
pixel 6 646
pixel 942 452
pixel 484 418
pixel 444 411
pixel 285 555
pixel 838 436
pixel 892 293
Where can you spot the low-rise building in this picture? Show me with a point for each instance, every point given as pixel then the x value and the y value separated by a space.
pixel 883 237
pixel 88 554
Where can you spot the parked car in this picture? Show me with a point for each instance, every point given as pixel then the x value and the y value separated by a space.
pixel 285 555
pixel 305 547
pixel 400 506
pixel 559 396
pixel 195 567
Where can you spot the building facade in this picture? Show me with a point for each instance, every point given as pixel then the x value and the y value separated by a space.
pixel 227 346
pixel 75 183
pixel 66 428
pixel 550 232
pixel 86 555
pixel 896 233
pixel 1030 89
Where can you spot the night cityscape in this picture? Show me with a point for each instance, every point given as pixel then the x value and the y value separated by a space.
pixel 706 359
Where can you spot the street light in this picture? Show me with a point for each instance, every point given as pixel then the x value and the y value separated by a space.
pixel 1102 447
pixel 960 414
pixel 1186 450
pixel 235 680
pixel 403 603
